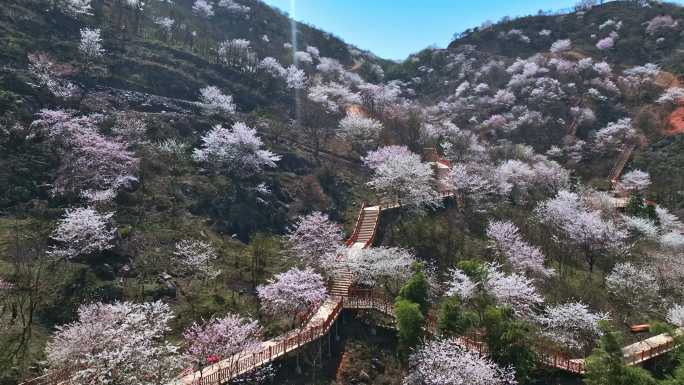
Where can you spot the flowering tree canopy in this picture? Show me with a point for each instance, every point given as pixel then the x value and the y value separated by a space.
pixel 675 315
pixel 214 101
pixel 635 180
pixel 196 257
pixel 586 228
pixel 561 46
pixel 315 236
pixel 92 165
pixel 292 291
pixel 521 255
pixel 514 290
pixel 203 8
pixel 91 44
pixel 379 265
pixel 460 284
pixel 295 77
pixel 359 129
pixel 75 8
pixel 229 337
pixel 82 232
pixel 121 343
pixel 636 285
pixel 571 325
pixel 400 176
pixel 237 150
pixel 445 362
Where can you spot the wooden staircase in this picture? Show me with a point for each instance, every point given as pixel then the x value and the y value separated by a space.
pixel 620 164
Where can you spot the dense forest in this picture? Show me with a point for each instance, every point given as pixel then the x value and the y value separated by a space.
pixel 207 191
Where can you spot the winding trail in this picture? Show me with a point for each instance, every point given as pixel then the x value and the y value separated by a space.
pixel 344 296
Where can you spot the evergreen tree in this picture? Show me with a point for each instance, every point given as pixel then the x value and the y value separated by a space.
pixel 409 324
pixel 417 289
pixel 509 341
pixel 453 320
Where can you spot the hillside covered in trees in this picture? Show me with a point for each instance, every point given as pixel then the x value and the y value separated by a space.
pixel 206 191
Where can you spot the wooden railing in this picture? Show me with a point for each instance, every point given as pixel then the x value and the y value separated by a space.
pixel 561 361
pixel 256 359
pixel 357 226
pixel 646 355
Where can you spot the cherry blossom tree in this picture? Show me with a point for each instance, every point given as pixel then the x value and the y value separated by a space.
pixel 641 226
pixel 660 23
pixel 272 66
pixel 521 255
pixel 514 290
pixel 635 285
pixel 675 315
pixel 460 284
pixel 292 292
pixel 237 150
pixel 360 130
pixel 400 176
pixel 615 135
pixel 229 338
pixel 196 257
pixel 315 237
pixel 82 232
pixel 561 46
pixel 386 266
pixel 635 180
pixel 333 96
pixel 74 8
pixel 476 189
pixel 92 165
pixel 91 45
pixel 571 325
pixel 607 42
pixel 52 76
pixel 203 8
pixel 233 7
pixel 671 96
pixel 295 77
pixel 445 362
pixel 122 343
pixel 593 235
pixel 214 101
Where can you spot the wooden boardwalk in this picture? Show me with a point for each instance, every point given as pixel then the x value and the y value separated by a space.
pixel 343 297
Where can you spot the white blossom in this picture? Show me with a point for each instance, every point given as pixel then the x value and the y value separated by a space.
pixel 520 254
pixel 91 44
pixel 314 237
pixel 196 257
pixel 214 101
pixel 360 129
pixel 121 343
pixel 675 315
pixel 203 8
pixel 561 46
pixel 635 180
pixel 82 232
pixel 637 285
pixel 237 149
pixel 295 77
pixel 571 325
pixel 400 176
pixel 445 362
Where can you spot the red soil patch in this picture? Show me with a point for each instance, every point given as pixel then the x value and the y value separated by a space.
pixel 675 122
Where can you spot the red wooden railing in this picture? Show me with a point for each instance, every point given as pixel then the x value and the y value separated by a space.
pixel 357 226
pixel 255 359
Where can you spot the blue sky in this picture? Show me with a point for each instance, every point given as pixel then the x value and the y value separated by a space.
pixel 393 29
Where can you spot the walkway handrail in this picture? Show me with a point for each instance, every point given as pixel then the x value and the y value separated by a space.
pixel 357 226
